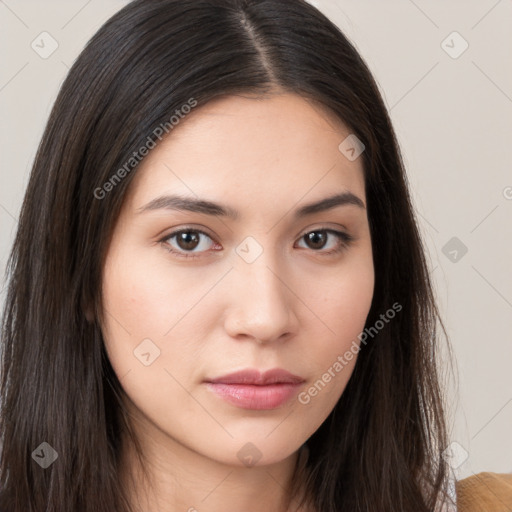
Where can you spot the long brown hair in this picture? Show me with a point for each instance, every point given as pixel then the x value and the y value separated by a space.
pixel 381 447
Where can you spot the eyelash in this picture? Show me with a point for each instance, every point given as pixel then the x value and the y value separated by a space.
pixel 345 239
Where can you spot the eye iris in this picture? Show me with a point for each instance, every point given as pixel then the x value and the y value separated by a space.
pixel 186 238
pixel 316 236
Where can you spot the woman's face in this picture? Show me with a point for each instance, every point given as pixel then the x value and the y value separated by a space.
pixel 272 288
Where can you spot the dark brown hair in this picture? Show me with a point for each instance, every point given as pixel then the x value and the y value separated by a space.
pixel 381 447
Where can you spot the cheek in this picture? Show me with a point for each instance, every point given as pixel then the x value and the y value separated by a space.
pixel 344 300
pixel 144 301
pixel 135 308
pixel 140 309
pixel 343 309
pixel 142 298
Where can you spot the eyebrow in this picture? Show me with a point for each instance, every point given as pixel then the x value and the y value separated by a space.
pixel 180 203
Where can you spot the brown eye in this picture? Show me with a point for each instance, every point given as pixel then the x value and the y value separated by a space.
pixel 186 242
pixel 318 238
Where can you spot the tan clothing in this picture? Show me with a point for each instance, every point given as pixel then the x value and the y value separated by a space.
pixel 485 492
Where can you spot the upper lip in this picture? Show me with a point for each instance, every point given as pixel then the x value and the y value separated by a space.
pixel 256 377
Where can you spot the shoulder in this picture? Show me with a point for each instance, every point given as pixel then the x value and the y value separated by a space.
pixel 485 492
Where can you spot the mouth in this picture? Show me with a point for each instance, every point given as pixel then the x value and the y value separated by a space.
pixel 251 389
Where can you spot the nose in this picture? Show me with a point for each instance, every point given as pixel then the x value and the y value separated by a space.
pixel 261 304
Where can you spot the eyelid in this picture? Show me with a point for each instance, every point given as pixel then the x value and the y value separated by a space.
pixel 182 229
pixel 345 238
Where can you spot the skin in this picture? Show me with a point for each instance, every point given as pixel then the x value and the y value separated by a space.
pixel 294 307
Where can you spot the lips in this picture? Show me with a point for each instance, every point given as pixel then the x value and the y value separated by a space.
pixel 251 389
pixel 256 378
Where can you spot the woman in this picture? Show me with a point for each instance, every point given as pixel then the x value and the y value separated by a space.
pixel 218 297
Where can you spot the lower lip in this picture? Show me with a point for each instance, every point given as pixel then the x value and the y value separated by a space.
pixel 247 396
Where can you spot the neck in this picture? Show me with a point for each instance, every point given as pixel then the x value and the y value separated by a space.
pixel 179 479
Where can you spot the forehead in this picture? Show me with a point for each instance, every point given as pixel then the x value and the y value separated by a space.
pixel 246 147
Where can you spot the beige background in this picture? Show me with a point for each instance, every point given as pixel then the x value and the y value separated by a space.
pixel 453 116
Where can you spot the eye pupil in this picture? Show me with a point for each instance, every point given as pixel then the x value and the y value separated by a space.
pixel 315 237
pixel 188 240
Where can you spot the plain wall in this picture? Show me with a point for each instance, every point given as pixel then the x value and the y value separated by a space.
pixel 453 117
